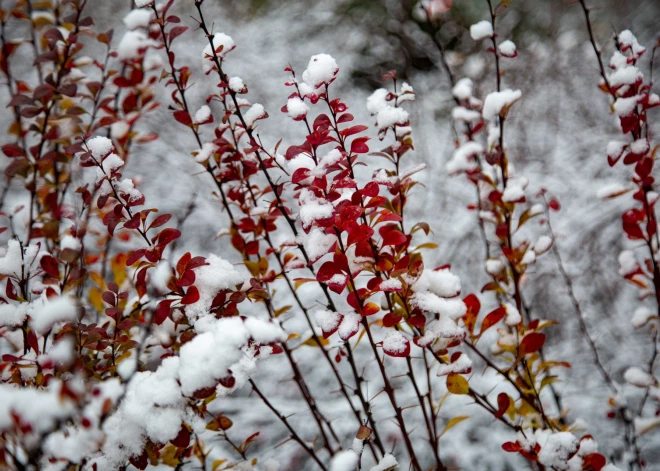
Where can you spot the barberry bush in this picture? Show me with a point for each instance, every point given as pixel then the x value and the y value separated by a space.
pixel 323 326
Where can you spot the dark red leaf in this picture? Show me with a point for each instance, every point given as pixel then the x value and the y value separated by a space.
pixel 48 264
pixel 532 342
pixel 176 32
pixel 192 296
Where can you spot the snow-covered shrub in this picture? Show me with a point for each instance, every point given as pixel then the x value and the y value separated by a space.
pixel 120 346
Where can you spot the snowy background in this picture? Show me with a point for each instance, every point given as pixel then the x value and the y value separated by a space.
pixel 556 135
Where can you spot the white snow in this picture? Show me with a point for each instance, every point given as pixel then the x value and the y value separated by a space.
pixel 628 40
pixel 71 243
pixel 377 100
pixel 641 316
pixel 255 112
pixel 205 153
pixel 236 84
pixel 494 266
pixel 638 377
pixel 12 262
pixel 556 450
pixel 498 102
pixel 481 30
pixel 460 113
pixel 296 108
pixel 543 244
pixel 100 146
pixel 616 148
pixel 222 44
pixel 463 159
pixel 313 208
pixel 507 48
pixel 13 314
pixel 317 243
pixel 625 106
pixel 326 320
pixel 395 342
pixel 56 310
pixel 513 317
pixel 463 89
pixel 463 364
pixel 611 190
pixel 322 69
pixel 133 45
pixel 344 460
pixel 440 282
pixel 202 115
pixel 210 279
pixel 138 18
pixel 386 463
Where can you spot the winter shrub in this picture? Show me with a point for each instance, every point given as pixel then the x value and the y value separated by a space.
pixel 120 346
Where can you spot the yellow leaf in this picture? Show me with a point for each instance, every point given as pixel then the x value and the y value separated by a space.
pixel 168 456
pixel 456 384
pixel 97 278
pixel 282 310
pixel 95 299
pixel 427 245
pixel 453 422
pixel 119 268
pixel 253 267
pixel 263 265
pixel 298 282
pixel 216 464
pixel 312 343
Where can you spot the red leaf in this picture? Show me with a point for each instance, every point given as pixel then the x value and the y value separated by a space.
pixel 327 271
pixel 10 358
pixel 344 118
pixel 532 342
pixel 359 146
pixel 167 235
pixel 394 237
pixel 472 303
pixel 162 311
pixel 183 117
pixel 182 440
pixel 192 296
pixel 400 348
pixel 390 319
pixel 353 130
pixel 160 220
pixel 370 309
pixel 418 320
pixel 593 462
pixel 49 265
pixel 187 279
pixel 140 462
pixel 32 341
pixel 182 264
pixel 503 403
pixel 177 31
pixel 511 447
pixel 492 318
pixel 134 257
pixel 11 291
pixel 13 150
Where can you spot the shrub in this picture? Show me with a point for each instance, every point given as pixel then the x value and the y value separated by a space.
pixel 119 345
